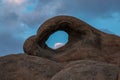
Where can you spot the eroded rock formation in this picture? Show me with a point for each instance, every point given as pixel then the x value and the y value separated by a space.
pixel 85 42
pixel 89 54
pixel 24 67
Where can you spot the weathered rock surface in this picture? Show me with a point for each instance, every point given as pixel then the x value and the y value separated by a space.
pixel 89 54
pixel 88 70
pixel 25 67
pixel 85 42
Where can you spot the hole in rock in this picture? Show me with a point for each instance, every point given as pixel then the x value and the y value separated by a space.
pixel 57 39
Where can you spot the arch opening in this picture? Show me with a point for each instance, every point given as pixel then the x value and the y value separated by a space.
pixel 57 40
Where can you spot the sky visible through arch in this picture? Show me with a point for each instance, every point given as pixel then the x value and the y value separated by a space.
pixel 20 19
pixel 57 39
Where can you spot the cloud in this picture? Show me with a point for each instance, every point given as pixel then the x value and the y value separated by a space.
pixel 30 12
pixel 10 45
pixel 43 11
pixel 58 45
pixel 34 12
pixel 91 8
pixel 18 22
pixel 19 19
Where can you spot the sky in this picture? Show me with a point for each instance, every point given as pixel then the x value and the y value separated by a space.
pixel 20 19
pixel 57 39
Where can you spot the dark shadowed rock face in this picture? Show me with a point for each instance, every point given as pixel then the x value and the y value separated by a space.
pixel 85 42
pixel 89 54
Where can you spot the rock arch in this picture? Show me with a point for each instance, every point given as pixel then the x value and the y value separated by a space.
pixel 85 42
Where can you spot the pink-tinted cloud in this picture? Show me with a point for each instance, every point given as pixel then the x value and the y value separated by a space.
pixel 58 45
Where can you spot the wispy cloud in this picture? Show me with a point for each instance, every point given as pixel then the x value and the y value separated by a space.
pixel 17 22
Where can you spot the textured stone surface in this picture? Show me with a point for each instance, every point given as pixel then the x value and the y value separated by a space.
pixel 85 42
pixel 88 70
pixel 89 54
pixel 25 67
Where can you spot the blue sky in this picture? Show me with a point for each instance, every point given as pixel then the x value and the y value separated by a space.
pixel 57 37
pixel 20 19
